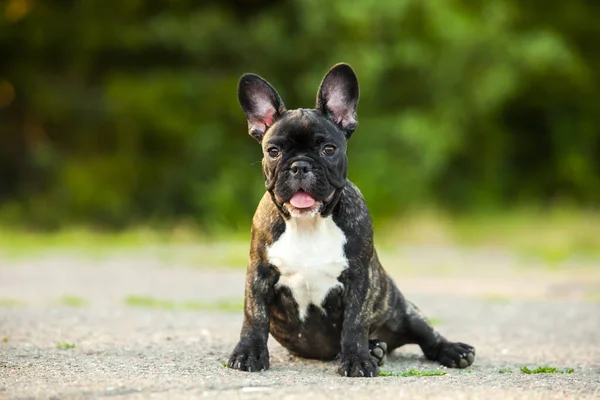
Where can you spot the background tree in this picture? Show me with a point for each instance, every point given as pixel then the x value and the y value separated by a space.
pixel 119 112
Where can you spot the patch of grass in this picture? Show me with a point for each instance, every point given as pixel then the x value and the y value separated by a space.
pixel 412 372
pixel 551 256
pixel 384 372
pixel 149 302
pixel 224 364
pixel 180 245
pixel 226 254
pixel 497 298
pixel 505 371
pixel 546 370
pixel 74 301
pixel 4 340
pixel 551 236
pixel 592 296
pixel 221 306
pixel 87 238
pixel 435 321
pixel 65 346
pixel 10 302
pixel 227 306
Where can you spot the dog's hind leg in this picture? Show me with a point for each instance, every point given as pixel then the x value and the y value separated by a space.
pixel 407 325
pixel 435 346
pixel 378 349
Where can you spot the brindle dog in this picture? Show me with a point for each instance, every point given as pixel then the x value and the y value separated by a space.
pixel 314 281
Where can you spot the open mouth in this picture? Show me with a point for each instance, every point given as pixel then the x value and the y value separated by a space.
pixel 302 200
pixel 303 203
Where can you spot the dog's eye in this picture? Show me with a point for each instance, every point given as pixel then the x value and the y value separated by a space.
pixel 328 150
pixel 273 152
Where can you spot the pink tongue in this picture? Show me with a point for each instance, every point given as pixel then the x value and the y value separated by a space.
pixel 302 200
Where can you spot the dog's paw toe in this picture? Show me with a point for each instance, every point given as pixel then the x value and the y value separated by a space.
pixel 456 355
pixel 358 366
pixel 378 350
pixel 249 357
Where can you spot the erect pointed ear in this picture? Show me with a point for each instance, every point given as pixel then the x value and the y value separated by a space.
pixel 338 97
pixel 261 104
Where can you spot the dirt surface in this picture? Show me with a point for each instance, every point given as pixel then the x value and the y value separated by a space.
pixel 513 314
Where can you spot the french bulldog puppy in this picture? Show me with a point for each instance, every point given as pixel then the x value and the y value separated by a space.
pixel 314 281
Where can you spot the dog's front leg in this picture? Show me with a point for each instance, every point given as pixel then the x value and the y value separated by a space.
pixel 355 358
pixel 251 353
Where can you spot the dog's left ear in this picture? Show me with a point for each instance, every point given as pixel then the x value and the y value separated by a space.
pixel 338 97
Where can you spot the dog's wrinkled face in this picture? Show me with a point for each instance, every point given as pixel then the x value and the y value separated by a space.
pixel 304 161
pixel 304 150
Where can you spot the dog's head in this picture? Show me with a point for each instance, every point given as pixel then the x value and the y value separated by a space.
pixel 304 150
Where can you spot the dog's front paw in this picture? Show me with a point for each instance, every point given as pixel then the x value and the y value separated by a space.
pixel 456 355
pixel 358 365
pixel 249 356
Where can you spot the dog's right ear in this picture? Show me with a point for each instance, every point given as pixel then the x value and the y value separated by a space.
pixel 261 104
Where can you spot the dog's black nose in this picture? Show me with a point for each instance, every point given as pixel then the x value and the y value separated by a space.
pixel 302 167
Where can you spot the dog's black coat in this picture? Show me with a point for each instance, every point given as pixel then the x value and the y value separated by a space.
pixel 367 315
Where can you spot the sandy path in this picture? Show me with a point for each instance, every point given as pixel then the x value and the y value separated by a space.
pixel 513 316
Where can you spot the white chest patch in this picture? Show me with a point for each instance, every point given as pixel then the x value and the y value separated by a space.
pixel 310 258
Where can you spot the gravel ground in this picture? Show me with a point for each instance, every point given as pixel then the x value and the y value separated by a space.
pixel 515 316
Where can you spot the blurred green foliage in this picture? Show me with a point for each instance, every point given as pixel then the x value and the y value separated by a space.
pixel 122 112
